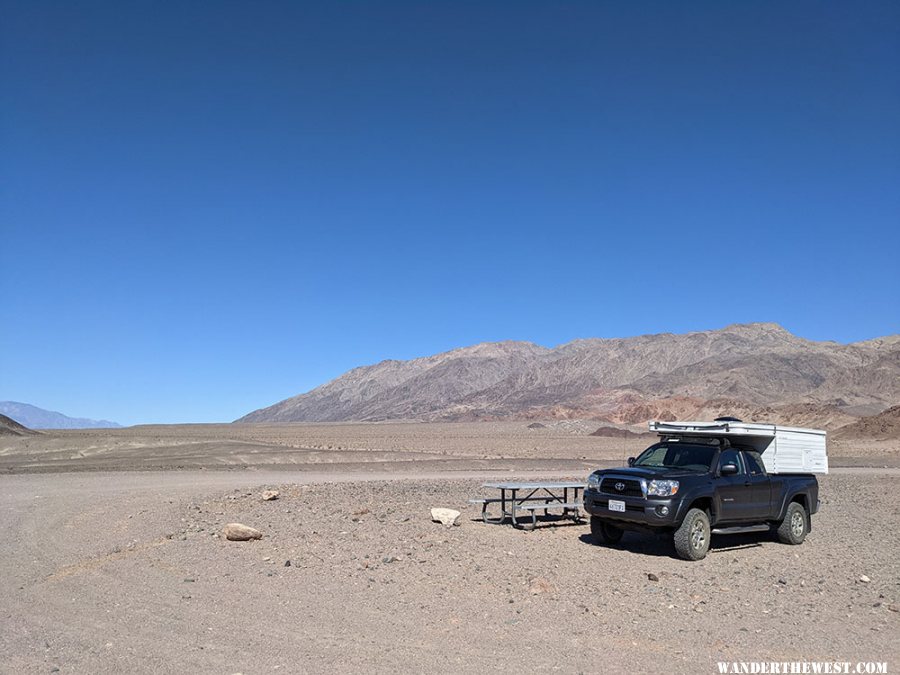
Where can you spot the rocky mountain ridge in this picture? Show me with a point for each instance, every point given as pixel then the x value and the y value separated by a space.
pixel 753 370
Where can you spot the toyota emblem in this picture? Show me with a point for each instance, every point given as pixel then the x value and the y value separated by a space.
pixel 620 486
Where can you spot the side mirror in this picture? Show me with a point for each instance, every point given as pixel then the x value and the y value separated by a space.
pixel 729 469
pixel 631 461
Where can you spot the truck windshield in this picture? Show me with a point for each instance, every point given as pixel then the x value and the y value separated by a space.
pixel 677 456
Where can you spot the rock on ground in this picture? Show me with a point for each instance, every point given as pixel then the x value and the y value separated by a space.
pixel 447 517
pixel 269 495
pixel 539 586
pixel 238 532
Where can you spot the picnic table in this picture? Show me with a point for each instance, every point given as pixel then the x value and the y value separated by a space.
pixel 526 499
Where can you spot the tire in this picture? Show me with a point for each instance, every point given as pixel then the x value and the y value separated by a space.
pixel 795 526
pixel 604 532
pixel 691 539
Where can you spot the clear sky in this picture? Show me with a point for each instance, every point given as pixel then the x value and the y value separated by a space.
pixel 207 207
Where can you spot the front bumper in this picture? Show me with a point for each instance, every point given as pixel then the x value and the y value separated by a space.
pixel 638 512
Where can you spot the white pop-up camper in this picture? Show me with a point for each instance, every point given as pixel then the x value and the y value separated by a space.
pixel 783 449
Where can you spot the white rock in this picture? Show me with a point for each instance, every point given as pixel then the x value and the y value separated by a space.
pixel 269 495
pixel 865 579
pixel 238 532
pixel 446 517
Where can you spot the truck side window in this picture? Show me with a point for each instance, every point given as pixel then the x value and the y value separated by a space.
pixel 731 457
pixel 754 464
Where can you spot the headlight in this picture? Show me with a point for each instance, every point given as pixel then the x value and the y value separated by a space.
pixel 594 482
pixel 662 488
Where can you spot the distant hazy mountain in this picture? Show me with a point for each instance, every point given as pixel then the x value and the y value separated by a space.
pixel 757 370
pixel 38 418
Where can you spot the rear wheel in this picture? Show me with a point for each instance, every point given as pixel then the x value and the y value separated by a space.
pixel 605 532
pixel 692 537
pixel 795 526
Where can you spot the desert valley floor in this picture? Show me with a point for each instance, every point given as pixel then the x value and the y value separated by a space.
pixel 112 559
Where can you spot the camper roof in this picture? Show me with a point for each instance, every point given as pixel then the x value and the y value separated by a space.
pixel 725 429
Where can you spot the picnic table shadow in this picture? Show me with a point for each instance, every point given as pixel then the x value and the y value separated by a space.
pixel 548 522
pixel 661 545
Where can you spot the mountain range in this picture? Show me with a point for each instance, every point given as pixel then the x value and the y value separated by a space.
pixel 756 371
pixel 38 418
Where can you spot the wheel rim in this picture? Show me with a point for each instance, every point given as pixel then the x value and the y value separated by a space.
pixel 698 535
pixel 797 524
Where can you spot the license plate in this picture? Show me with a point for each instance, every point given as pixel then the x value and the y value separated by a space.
pixel 617 505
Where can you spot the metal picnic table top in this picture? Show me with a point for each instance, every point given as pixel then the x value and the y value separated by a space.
pixel 533 485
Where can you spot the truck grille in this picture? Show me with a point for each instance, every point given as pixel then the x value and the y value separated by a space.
pixel 632 488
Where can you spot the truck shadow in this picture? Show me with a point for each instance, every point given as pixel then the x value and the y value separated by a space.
pixel 661 545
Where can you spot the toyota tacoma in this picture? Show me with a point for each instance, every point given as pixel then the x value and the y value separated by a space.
pixel 692 488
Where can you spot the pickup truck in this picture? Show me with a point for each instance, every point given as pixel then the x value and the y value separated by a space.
pixel 690 489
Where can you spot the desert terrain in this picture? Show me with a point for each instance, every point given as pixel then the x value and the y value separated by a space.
pixel 113 559
pixel 412 446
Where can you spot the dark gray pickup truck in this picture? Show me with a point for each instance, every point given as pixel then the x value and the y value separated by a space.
pixel 691 489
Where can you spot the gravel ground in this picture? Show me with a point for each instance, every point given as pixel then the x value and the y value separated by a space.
pixel 112 572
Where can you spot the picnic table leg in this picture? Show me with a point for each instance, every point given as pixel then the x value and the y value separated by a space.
pixel 524 526
pixel 488 519
pixel 499 520
pixel 515 520
pixel 577 517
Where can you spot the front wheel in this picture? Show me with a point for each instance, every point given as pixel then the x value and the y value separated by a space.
pixel 692 537
pixel 604 532
pixel 795 526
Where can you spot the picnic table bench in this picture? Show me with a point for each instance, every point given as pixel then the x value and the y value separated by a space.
pixel 526 499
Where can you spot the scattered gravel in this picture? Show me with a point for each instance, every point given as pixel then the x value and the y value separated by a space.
pixel 373 584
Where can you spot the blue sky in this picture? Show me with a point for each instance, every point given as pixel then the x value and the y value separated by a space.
pixel 207 207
